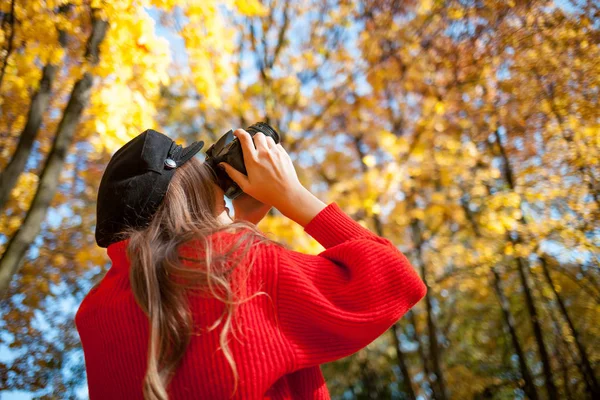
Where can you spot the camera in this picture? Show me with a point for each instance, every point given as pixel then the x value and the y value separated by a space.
pixel 229 149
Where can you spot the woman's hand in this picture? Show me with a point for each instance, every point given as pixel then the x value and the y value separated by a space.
pixel 272 180
pixel 247 208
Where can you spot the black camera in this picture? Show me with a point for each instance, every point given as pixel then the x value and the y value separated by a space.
pixel 229 149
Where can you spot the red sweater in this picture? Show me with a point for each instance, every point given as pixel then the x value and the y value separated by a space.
pixel 319 308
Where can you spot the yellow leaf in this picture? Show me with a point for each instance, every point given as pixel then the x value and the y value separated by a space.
pixel 425 6
pixel 369 160
pixel 417 213
pixel 59 260
pixel 456 13
pixel 376 209
pixel 439 108
pixel 251 8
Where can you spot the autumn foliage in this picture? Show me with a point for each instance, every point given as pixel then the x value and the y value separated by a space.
pixel 465 131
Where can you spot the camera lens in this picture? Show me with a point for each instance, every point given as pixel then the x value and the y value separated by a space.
pixel 264 128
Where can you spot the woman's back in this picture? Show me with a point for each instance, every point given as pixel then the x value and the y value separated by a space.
pixel 316 309
pixel 114 333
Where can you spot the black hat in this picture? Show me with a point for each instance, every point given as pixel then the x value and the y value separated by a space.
pixel 135 181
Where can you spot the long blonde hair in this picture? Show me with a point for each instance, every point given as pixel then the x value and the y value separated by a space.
pixel 159 279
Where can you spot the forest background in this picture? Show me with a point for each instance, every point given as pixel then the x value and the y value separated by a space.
pixel 465 131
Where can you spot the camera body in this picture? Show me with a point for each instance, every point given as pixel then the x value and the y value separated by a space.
pixel 229 149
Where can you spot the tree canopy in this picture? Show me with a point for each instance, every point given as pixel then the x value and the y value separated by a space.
pixel 465 131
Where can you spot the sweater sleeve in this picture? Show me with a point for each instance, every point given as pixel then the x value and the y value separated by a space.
pixel 333 304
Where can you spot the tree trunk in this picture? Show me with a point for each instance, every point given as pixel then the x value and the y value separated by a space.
pixel 558 353
pixel 438 385
pixel 421 348
pixel 537 330
pixel 18 244
pixel 522 270
pixel 586 367
pixel 369 382
pixel 529 388
pixel 379 230
pixel 11 39
pixel 407 383
pixel 39 104
pixel 37 108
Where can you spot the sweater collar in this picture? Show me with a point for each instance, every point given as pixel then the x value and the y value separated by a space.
pixel 117 252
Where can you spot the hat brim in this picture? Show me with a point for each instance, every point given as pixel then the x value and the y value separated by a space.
pixel 190 151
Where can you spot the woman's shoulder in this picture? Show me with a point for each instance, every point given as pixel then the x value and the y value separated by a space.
pixel 232 241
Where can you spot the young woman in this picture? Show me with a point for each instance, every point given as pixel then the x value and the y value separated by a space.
pixel 196 305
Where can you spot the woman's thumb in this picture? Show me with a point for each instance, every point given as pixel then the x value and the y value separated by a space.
pixel 237 176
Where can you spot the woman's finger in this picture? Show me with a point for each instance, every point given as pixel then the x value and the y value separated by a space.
pixel 260 141
pixel 237 176
pixel 280 148
pixel 271 142
pixel 248 150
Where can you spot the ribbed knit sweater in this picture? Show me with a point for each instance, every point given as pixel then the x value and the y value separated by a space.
pixel 317 309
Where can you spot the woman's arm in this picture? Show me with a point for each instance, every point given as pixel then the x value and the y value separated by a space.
pixel 333 304
pixel 247 208
pixel 302 206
